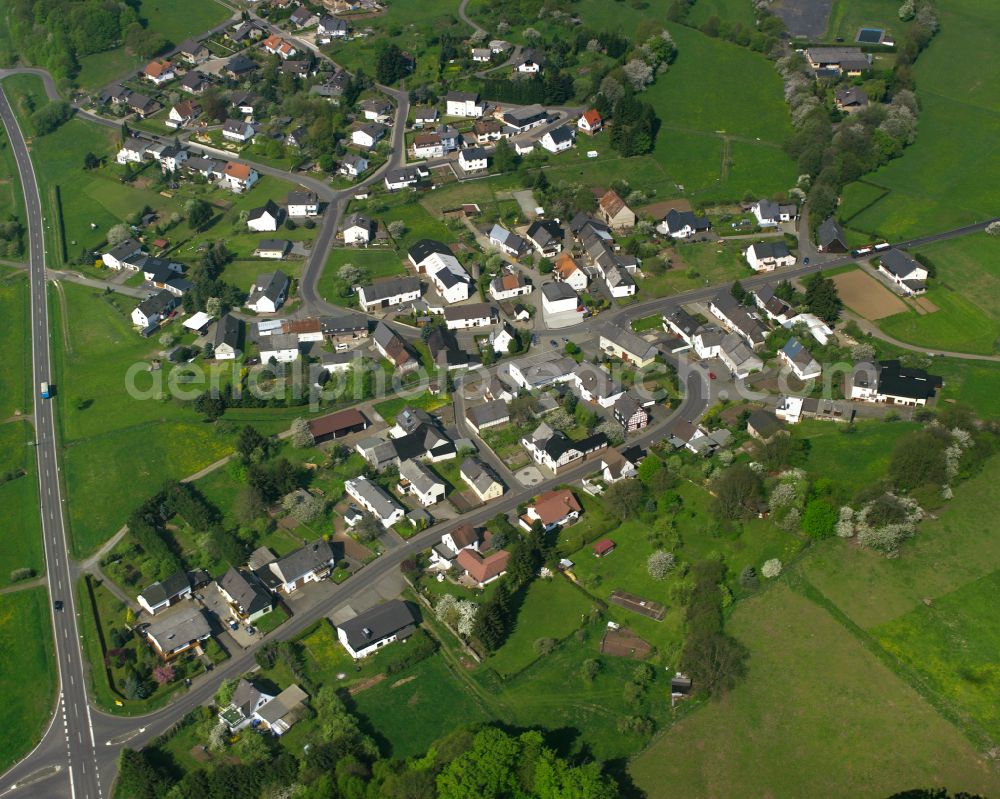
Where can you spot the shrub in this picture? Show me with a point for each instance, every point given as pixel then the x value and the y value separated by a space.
pixel 771 568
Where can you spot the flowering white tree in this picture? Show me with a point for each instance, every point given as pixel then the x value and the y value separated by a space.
pixel 907 10
pixel 466 617
pixel 993 228
pixel 217 737
pixel 660 564
pixel 845 524
pixel 301 434
pixel 638 73
pixel 771 568
pixel 446 609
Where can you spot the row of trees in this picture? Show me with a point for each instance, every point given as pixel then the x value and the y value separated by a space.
pixel 343 763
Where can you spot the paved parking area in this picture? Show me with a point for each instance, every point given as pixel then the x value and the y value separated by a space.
pixel 529 476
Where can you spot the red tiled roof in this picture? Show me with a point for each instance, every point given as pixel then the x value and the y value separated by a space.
pixel 604 546
pixel 554 506
pixel 592 117
pixel 483 569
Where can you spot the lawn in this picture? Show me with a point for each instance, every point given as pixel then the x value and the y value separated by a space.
pixel 946 553
pixel 952 643
pixel 847 17
pixel 377 263
pixel 696 266
pixel 21 546
pixel 15 327
pixel 390 408
pixel 815 704
pixel 175 19
pixel 731 11
pixel 27 671
pixel 851 461
pixel 94 346
pixel 939 182
pixel 412 709
pixel 551 609
pixel 976 384
pixel 966 291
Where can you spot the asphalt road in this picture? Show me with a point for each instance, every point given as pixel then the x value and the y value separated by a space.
pixel 69 741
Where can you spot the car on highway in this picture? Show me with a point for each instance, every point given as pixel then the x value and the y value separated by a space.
pixel 58 604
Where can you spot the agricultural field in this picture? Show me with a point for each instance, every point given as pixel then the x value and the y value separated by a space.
pixel 15 297
pixel 94 346
pixel 866 296
pixel 27 671
pixel 811 688
pixel 175 19
pixel 939 182
pixel 21 546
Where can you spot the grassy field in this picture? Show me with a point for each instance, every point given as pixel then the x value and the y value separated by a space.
pixel 946 553
pixel 15 297
pixel 976 384
pixel 939 182
pixel 175 19
pixel 815 717
pixel 11 199
pixel 93 348
pixel 414 708
pixel 551 609
pixel 850 461
pixel 847 17
pixel 967 294
pixel 698 265
pixel 27 671
pixel 731 11
pixel 21 547
pixel 952 643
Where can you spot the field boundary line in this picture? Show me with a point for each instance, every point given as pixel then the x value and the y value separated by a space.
pixel 976 735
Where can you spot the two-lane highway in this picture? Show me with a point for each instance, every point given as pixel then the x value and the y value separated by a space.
pixel 71 730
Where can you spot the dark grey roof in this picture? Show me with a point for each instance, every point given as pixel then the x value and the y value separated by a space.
pixel 305 560
pixel 473 154
pixel 829 232
pixel 771 249
pixel 678 220
pixel 159 303
pixel 270 207
pixel 240 63
pixel 273 244
pixel 461 97
pixel 163 590
pixel 520 117
pixel 125 249
pixel 270 285
pixel 236 126
pixel 227 331
pixel 682 319
pixel 560 135
pixel 444 349
pixel 558 291
pixel 425 248
pixel 302 198
pixel 490 412
pixel 405 174
pixel 246 589
pixel 899 263
pixel 383 621
pixel 194 79
pixel 544 231
pixel 392 287
pixel 764 422
pixel 896 380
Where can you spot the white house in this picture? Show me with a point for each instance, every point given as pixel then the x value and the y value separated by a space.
pixel 738 357
pixel 182 114
pixel 463 104
pixel 389 293
pixel 427 145
pixel 682 224
pixel 627 346
pixel 152 310
pixel 473 159
pixel 907 273
pixel 238 130
pixel 508 285
pixel 358 229
pixel 461 317
pixel 374 499
pixel 419 481
pixel 281 347
pixel 590 122
pixel 376 109
pixel 332 27
pixel 116 257
pixel 451 281
pixel 503 239
pixel 369 134
pixel 770 214
pixel 619 282
pixel 555 141
pixel 159 71
pixel 559 298
pixel 893 383
pixel 239 177
pixel 307 564
pixel 799 360
pixel 425 115
pixel 353 165
pixel 265 218
pixel 302 204
pixel 569 272
pixel 405 177
pixel 707 341
pixel 164 593
pixel 370 631
pixel 501 338
pixel 530 62
pixel 768 256
pixel 275 45
pixel 227 338
pixel 268 293
pixel 482 55
pixel 132 151
pixel 273 249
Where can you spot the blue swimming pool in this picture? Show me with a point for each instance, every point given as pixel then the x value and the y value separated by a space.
pixel 870 35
